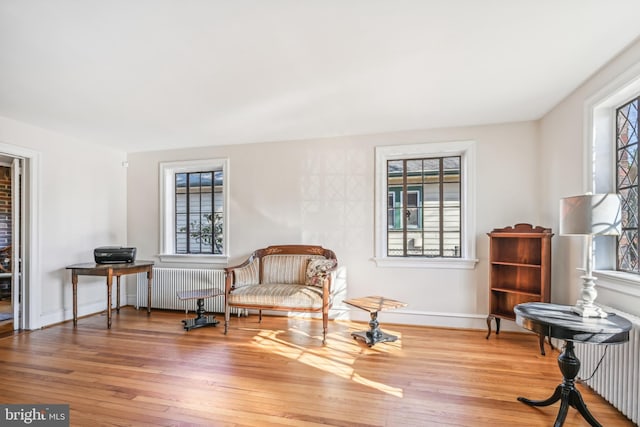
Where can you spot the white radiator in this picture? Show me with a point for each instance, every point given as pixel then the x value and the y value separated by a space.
pixel 168 281
pixel 618 378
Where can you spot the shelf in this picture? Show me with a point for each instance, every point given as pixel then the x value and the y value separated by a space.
pixel 516 264
pixel 517 292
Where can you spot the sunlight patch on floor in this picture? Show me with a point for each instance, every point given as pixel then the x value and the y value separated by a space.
pixel 337 357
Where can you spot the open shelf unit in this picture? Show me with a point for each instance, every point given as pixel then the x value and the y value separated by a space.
pixel 519 270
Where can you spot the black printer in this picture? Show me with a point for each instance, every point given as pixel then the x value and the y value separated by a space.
pixel 114 254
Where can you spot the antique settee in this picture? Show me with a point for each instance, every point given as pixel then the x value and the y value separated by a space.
pixel 293 278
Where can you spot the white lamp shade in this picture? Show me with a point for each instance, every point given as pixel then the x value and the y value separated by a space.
pixel 591 214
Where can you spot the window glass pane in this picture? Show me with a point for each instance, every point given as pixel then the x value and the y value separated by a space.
pixel 181 223
pixel 218 228
pixel 194 202
pixel 628 251
pixel 395 169
pixel 395 243
pixel 431 168
pixel 414 243
pixel 451 244
pixel 627 124
pixel 181 181
pixel 629 198
pixel 395 209
pixel 413 199
pixel 451 192
pixel 431 195
pixel 431 219
pixel 451 169
pixel 431 244
pixel 181 203
pixel 194 180
pixel 412 217
pixel 181 243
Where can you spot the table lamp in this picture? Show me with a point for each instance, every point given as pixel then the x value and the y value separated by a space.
pixel 590 215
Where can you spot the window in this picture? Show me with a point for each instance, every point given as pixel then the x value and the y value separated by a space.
pixel 199 212
pixel 426 219
pixel 425 205
pixel 609 157
pixel 194 211
pixel 627 127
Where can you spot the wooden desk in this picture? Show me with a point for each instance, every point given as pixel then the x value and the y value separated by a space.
pixel 559 321
pixel 108 271
pixel 373 305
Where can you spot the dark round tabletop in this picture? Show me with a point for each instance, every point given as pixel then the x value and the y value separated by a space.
pixel 559 321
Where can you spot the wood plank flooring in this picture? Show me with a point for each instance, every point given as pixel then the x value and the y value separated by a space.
pixel 148 371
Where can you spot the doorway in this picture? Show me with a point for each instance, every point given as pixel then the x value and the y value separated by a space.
pixel 11 224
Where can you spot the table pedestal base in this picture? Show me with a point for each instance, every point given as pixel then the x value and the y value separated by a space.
pixel 566 393
pixel 374 334
pixel 200 320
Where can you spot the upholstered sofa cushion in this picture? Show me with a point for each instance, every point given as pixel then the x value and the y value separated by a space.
pixel 278 295
pixel 286 269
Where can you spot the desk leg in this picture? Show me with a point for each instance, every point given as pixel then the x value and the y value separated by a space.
pixel 109 284
pixel 149 281
pixel 118 294
pixel 74 284
pixel 566 392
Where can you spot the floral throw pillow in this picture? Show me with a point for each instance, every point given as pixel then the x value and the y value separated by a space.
pixel 317 270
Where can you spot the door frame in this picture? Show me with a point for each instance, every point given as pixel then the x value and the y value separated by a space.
pixel 31 263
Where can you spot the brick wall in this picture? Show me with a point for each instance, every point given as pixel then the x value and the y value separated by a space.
pixel 5 206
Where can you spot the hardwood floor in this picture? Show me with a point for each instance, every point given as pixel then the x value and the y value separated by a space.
pixel 148 371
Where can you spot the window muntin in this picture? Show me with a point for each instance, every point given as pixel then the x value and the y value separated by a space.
pixel 425 218
pixel 627 127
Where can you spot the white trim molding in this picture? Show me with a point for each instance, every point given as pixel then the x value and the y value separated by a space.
pixel 167 210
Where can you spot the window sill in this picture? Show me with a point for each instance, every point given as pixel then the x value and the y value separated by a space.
pixel 409 262
pixel 618 281
pixel 216 260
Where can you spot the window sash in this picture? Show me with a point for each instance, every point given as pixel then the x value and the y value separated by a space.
pixel 425 220
pixel 626 159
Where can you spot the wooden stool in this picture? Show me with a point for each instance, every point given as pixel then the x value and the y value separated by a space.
pixel 200 320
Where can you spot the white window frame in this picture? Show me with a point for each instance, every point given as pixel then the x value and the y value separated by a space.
pixel 599 170
pixel 467 152
pixel 168 170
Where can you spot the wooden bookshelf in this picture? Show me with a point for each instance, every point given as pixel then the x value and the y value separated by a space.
pixel 519 270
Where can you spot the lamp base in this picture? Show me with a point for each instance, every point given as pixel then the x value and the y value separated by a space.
pixel 588 310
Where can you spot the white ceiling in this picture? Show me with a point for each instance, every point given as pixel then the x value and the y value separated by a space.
pixel 154 74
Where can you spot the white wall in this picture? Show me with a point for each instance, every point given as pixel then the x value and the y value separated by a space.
pixel 322 192
pixel 82 204
pixel 564 166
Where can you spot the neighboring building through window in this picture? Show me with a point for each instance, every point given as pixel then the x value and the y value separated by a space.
pixel 627 128
pixel 194 211
pixel 425 205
